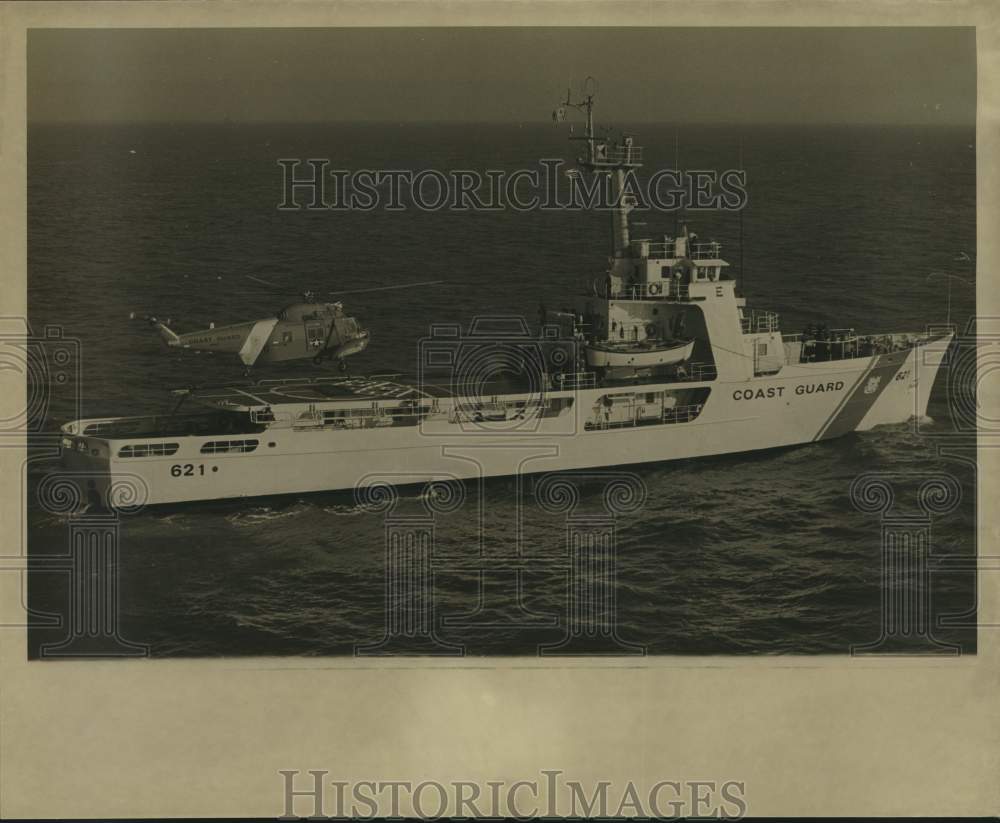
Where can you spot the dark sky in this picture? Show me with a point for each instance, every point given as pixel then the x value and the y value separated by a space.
pixel 812 75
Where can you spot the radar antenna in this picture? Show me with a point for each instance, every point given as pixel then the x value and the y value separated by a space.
pixel 586 105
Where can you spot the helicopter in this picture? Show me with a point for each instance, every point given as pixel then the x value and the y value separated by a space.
pixel 306 330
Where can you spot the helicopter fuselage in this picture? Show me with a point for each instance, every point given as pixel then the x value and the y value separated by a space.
pixel 300 331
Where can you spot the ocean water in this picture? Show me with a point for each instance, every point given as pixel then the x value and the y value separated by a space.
pixel 746 554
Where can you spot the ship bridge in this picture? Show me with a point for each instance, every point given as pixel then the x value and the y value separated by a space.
pixel 667 270
pixel 664 306
pixel 671 290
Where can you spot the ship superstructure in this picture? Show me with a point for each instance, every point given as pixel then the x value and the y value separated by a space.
pixel 661 360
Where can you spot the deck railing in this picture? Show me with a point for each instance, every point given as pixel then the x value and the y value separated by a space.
pixel 574 380
pixel 616 154
pixel 705 251
pixel 754 321
pixel 694 372
pixel 667 250
pixel 845 344
pixel 118 427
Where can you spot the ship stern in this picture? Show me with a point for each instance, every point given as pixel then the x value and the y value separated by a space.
pixel 86 464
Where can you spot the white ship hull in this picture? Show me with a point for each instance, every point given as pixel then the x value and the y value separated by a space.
pixel 804 403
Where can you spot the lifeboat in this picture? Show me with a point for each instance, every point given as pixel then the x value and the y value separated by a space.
pixel 641 354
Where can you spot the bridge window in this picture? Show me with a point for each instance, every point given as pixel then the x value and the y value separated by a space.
pixel 148 450
pixel 228 446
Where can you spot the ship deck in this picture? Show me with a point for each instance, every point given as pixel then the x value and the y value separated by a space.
pixel 265 393
pixel 251 395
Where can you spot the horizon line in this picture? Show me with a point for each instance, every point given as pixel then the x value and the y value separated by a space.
pixel 403 123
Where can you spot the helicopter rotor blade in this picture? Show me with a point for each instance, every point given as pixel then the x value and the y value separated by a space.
pixel 264 282
pixel 386 288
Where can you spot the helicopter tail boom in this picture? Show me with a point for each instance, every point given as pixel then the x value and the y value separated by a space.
pixel 166 335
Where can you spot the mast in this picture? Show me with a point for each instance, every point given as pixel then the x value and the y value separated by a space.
pixel 741 280
pixel 606 159
pixel 589 103
pixel 677 170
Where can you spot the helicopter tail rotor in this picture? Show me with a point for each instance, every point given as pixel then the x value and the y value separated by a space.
pixel 262 281
pixel 162 328
pixel 165 332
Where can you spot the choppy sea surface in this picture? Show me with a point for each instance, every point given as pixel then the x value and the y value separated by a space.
pixel 748 554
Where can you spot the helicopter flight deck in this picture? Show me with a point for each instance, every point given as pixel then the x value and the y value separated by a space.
pixel 662 360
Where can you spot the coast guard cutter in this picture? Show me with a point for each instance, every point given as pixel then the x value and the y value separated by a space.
pixel 662 360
